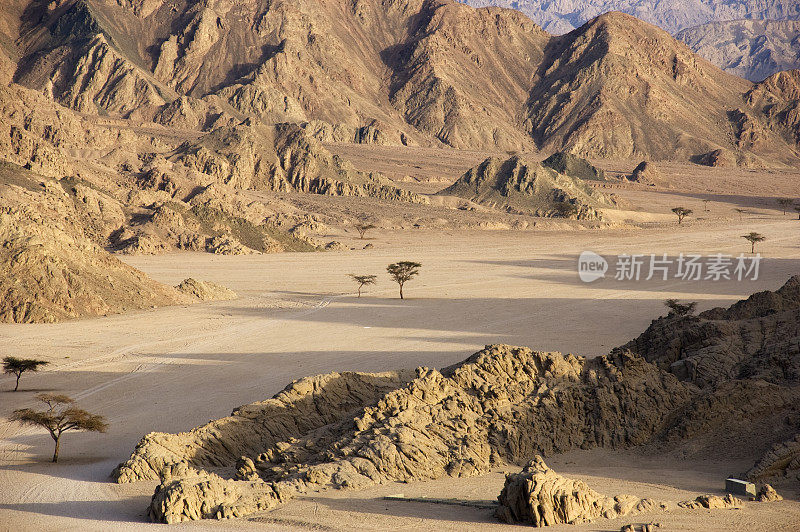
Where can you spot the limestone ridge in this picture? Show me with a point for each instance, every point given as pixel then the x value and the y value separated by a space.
pixel 523 186
pixel 502 405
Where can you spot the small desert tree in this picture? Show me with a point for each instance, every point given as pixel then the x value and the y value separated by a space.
pixel 754 238
pixel 60 416
pixel 785 203
pixel 742 212
pixel 363 280
pixel 363 228
pixel 18 366
pixel 676 308
pixel 402 272
pixel 681 213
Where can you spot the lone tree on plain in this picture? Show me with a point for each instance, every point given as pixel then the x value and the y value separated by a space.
pixel 753 238
pixel 785 203
pixel 742 212
pixel 676 308
pixel 402 272
pixel 363 228
pixel 363 280
pixel 681 213
pixel 60 416
pixel 18 366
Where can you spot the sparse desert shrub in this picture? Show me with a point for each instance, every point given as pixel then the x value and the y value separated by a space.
pixel 60 416
pixel 18 366
pixel 676 308
pixel 363 228
pixel 402 272
pixel 363 280
pixel 681 213
pixel 754 238
pixel 785 203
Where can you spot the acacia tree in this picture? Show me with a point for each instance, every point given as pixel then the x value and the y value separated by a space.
pixel 363 280
pixel 60 416
pixel 741 212
pixel 676 308
pixel 18 366
pixel 363 228
pixel 681 213
pixel 402 272
pixel 753 238
pixel 785 203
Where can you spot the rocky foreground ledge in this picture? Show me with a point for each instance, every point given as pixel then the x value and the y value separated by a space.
pixel 503 405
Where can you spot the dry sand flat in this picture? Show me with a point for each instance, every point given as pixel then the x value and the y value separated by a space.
pixel 172 369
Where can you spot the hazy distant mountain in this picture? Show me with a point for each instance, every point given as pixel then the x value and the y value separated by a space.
pixel 561 16
pixel 752 49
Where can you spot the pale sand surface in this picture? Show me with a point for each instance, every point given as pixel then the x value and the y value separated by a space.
pixel 174 368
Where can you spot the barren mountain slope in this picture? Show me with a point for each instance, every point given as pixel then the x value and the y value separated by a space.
pixel 752 49
pixel 52 271
pixel 619 87
pixel 673 15
pixel 778 98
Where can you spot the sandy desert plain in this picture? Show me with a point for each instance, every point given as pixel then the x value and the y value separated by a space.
pixel 174 368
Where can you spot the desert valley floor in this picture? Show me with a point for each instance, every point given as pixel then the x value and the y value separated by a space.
pixel 171 369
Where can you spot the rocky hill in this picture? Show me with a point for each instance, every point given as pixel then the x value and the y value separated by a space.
pixel 671 15
pixel 752 49
pixel 523 186
pixel 728 377
pixel 52 270
pixel 400 72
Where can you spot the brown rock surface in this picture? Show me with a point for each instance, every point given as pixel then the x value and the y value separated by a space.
pixel 504 404
pixel 524 186
pixel 538 496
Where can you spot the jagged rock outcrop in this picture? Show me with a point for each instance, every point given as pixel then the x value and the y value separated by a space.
pixel 768 494
pixel 205 291
pixel 503 404
pixel 778 99
pixel 524 186
pixel 283 158
pixel 538 496
pixel 779 464
pixel 574 166
pixel 712 502
pixel 646 174
pixel 53 272
pixel 752 49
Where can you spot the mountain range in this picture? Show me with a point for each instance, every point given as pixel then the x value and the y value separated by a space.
pixel 395 72
pixel 563 16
